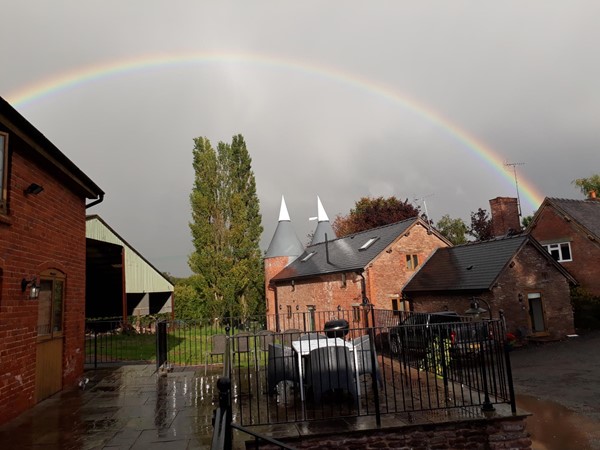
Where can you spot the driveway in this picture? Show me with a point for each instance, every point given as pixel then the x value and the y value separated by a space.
pixel 560 383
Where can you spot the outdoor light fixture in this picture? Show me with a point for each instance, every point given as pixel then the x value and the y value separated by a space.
pixel 34 291
pixel 34 189
pixel 476 310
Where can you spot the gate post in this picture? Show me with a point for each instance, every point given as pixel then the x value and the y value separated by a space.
pixel 161 343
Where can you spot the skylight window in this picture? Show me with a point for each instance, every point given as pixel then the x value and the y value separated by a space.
pixel 367 244
pixel 307 257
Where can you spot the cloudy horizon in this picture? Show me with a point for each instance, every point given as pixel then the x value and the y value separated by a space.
pixel 342 100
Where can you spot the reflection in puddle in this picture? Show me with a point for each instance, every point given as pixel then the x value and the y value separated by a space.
pixel 554 427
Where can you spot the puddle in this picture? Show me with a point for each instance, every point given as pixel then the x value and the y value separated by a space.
pixel 555 427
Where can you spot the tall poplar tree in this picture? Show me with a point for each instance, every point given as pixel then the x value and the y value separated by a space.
pixel 226 228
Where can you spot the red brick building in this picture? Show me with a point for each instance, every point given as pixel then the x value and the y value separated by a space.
pixel 570 231
pixel 42 246
pixel 514 274
pixel 334 274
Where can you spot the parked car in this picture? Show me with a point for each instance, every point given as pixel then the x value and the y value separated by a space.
pixel 416 335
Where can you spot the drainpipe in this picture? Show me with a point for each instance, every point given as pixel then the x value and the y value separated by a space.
pixel 95 202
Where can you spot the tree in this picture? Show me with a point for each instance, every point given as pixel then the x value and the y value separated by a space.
pixel 525 221
pixel 588 185
pixel 481 225
pixel 455 230
pixel 373 212
pixel 226 228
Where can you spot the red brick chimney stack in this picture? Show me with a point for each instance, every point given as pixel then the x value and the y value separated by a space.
pixel 505 216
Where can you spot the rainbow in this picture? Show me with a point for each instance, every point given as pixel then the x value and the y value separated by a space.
pixel 69 80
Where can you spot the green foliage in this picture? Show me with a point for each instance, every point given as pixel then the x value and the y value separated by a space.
pixel 525 221
pixel 226 228
pixel 587 185
pixel 481 225
pixel 455 230
pixel 586 309
pixel 373 212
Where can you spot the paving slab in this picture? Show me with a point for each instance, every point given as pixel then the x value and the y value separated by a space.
pixel 121 408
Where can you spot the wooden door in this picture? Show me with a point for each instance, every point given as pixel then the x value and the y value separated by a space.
pixel 49 354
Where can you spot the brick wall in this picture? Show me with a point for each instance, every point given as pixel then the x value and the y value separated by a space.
pixel 384 278
pixel 488 434
pixel 551 227
pixel 530 272
pixel 41 232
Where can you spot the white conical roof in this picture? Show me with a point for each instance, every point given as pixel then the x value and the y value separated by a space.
pixel 285 242
pixel 323 225
pixel 321 214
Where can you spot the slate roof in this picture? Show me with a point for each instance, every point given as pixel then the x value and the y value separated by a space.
pixel 466 267
pixel 344 253
pixel 584 212
pixel 48 151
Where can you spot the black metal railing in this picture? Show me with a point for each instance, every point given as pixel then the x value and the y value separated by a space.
pixel 383 362
pixel 444 367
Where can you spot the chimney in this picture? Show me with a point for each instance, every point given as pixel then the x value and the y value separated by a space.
pixel 592 195
pixel 505 216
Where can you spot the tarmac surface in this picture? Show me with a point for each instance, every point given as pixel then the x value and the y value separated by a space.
pixel 559 382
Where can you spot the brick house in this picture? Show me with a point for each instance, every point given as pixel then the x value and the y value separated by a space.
pixel 42 265
pixel 331 275
pixel 514 274
pixel 570 231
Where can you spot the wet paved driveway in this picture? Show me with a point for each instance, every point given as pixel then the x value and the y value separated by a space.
pixel 127 407
pixel 559 382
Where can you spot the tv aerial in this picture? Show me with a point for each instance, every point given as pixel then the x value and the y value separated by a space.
pixel 514 168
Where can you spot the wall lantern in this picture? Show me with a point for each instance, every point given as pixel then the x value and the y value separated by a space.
pixel 476 310
pixel 33 189
pixel 34 291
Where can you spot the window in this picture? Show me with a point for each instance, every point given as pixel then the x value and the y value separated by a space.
pixel 289 311
pixel 51 305
pixel 356 313
pixel 3 171
pixel 412 261
pixel 399 305
pixel 367 244
pixel 560 252
pixel 307 257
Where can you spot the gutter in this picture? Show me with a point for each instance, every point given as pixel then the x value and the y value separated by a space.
pixel 95 202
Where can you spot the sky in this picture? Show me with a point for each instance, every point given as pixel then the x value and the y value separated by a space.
pixel 426 101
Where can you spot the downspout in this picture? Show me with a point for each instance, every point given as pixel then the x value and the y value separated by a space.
pixel 95 202
pixel 277 325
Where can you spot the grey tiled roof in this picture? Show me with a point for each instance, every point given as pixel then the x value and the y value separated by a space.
pixel 585 212
pixel 344 253
pixel 466 267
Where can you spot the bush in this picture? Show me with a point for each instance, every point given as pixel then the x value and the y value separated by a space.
pixel 586 309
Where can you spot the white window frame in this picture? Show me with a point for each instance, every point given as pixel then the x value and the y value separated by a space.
pixel 559 248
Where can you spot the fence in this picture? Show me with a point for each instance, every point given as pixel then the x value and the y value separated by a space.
pixel 404 369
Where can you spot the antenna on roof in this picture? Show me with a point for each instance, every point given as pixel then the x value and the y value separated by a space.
pixel 425 207
pixel 514 166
